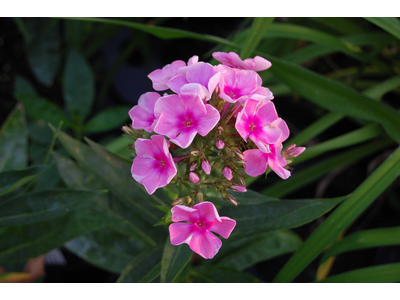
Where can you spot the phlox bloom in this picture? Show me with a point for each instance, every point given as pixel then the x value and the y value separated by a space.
pixel 233 60
pixel 257 162
pixel 255 121
pixel 160 77
pixel 153 166
pixel 200 220
pixel 181 117
pixel 142 115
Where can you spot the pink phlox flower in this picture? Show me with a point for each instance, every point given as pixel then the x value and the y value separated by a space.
pixel 227 172
pixel 181 117
pixel 238 85
pixel 153 166
pixel 160 77
pixel 257 162
pixel 233 60
pixel 292 151
pixel 199 78
pixel 255 121
pixel 142 115
pixel 200 221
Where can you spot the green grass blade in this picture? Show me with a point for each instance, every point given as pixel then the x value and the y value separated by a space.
pixel 391 25
pixel 377 91
pixel 342 217
pixel 365 239
pixel 375 274
pixel 257 29
pixel 11 180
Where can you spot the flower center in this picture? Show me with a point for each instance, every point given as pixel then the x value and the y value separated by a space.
pixel 200 224
pixel 188 123
pixel 251 127
pixel 162 163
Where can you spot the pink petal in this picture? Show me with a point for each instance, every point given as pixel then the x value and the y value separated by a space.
pixel 184 139
pixel 271 134
pixel 267 112
pixel 213 82
pixel 208 121
pixel 148 100
pixel 205 165
pixel 255 162
pixel 196 89
pixel 281 124
pixel 151 181
pixel 141 119
pixel 205 244
pixel 261 64
pixel 193 60
pixel 142 166
pixel 157 78
pixel 176 83
pixel 200 73
pixel 223 228
pixel 144 147
pixel 207 212
pixel 278 169
pixel 227 173
pixel 181 233
pixel 171 105
pixel 183 213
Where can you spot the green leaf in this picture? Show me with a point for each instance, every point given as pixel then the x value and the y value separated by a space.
pixel 342 217
pixel 39 206
pixel 174 260
pixel 78 86
pixel 21 242
pixel 11 180
pixel 377 91
pixel 144 268
pixel 73 33
pixel 375 274
pixel 107 119
pixel 341 25
pixel 44 49
pixel 391 25
pixel 14 141
pixel 257 29
pixel 364 239
pixel 274 215
pixel 214 274
pixel 335 96
pixel 266 246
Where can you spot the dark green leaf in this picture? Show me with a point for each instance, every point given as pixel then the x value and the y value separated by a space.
pixel 107 119
pixel 174 260
pixel 11 180
pixel 14 141
pixel 145 267
pixel 391 25
pixel 257 29
pixel 73 33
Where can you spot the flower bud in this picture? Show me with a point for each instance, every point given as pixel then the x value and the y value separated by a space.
pixel 205 165
pixel 179 201
pixel 220 145
pixel 238 188
pixel 193 177
pixel 193 167
pixel 292 151
pixel 229 198
pixel 227 173
pixel 194 152
pixel 199 197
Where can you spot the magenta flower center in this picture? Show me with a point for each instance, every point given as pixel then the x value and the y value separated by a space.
pixel 252 127
pixel 162 163
pixel 188 123
pixel 200 224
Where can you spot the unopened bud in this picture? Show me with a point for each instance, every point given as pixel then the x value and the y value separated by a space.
pixel 205 165
pixel 129 131
pixel 179 201
pixel 199 197
pixel 220 145
pixel 194 152
pixel 232 200
pixel 292 151
pixel 238 188
pixel 193 167
pixel 227 173
pixel 238 152
pixel 193 177
pixel 220 129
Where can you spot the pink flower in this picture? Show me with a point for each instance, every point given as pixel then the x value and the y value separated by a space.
pixel 160 77
pixel 255 121
pixel 193 177
pixel 238 85
pixel 153 166
pixel 257 162
pixel 202 219
pixel 142 115
pixel 181 117
pixel 205 165
pixel 227 172
pixel 233 60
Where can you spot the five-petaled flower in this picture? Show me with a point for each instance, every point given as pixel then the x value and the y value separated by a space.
pixel 199 221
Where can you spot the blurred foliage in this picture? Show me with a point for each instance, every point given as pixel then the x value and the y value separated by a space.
pixel 65 168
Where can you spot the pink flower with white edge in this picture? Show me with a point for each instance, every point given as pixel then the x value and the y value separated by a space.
pixel 200 220
pixel 255 121
pixel 153 166
pixel 257 162
pixel 181 117
pixel 200 78
pixel 233 60
pixel 238 85
pixel 142 115
pixel 160 77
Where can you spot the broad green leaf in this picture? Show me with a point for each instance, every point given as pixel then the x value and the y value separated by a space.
pixel 14 141
pixel 335 96
pixel 364 239
pixel 11 180
pixel 257 29
pixel 78 86
pixel 106 249
pixel 214 274
pixel 144 268
pixel 44 49
pixel 391 25
pixel 375 274
pixel 342 217
pixel 119 146
pixel 40 206
pixel 310 174
pixel 274 215
pixel 266 246
pixel 107 119
pixel 174 260
pixel 21 242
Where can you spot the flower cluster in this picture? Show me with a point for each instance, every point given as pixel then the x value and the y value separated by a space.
pixel 218 124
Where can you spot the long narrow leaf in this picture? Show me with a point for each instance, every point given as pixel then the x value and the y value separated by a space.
pixel 174 260
pixel 391 25
pixel 259 26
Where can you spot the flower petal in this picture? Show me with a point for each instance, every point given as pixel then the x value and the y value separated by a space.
pixel 223 228
pixel 205 244
pixel 278 168
pixel 207 212
pixel 255 162
pixel 181 233
pixel 183 213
